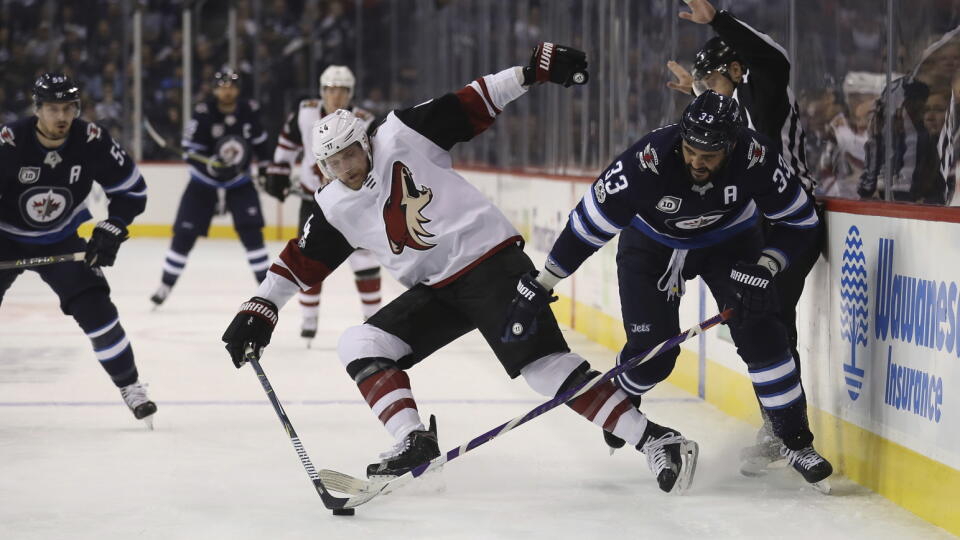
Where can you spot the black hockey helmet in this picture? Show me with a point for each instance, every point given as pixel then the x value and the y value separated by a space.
pixel 715 55
pixel 226 77
pixel 711 122
pixel 55 87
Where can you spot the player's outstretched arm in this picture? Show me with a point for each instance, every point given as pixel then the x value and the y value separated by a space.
pixel 464 114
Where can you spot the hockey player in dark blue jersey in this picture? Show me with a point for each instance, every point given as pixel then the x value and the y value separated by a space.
pixel 48 164
pixel 686 201
pixel 225 130
pixel 747 65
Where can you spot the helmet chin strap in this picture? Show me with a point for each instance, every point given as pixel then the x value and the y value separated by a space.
pixel 50 137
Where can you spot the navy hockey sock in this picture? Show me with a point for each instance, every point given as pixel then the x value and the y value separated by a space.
pixel 778 388
pixel 98 318
pixel 176 258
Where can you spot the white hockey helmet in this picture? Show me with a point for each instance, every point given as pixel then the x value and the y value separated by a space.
pixel 335 132
pixel 337 76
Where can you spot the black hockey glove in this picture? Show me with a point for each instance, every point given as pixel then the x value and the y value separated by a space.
pixel 529 301
pixel 222 171
pixel 252 326
pixel 557 64
pixel 755 295
pixel 277 181
pixel 104 243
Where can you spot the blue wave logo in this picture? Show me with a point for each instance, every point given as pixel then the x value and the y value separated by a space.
pixel 853 308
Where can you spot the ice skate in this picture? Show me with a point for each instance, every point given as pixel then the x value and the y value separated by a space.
pixel 671 457
pixel 814 468
pixel 135 396
pixel 308 329
pixel 758 459
pixel 160 295
pixel 415 449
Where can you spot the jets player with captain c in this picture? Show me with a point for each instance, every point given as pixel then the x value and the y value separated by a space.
pixel 686 201
pixel 336 90
pixel 397 195
pixel 222 139
pixel 48 163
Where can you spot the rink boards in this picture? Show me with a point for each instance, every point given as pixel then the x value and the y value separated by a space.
pixel 879 329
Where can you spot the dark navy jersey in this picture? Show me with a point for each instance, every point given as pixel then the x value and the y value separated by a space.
pixel 648 188
pixel 233 139
pixel 43 191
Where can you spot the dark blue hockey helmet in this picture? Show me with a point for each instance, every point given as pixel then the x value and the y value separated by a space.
pixel 55 87
pixel 711 122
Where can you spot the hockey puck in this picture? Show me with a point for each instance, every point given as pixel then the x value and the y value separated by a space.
pixel 344 511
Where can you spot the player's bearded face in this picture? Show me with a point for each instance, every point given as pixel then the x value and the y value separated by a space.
pixel 349 165
pixel 335 97
pixel 702 165
pixel 54 119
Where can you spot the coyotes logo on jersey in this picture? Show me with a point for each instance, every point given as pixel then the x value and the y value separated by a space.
pixel 401 213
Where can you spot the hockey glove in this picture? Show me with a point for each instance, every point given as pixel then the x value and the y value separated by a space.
pixel 277 181
pixel 557 64
pixel 252 326
pixel 222 171
pixel 529 301
pixel 104 243
pixel 754 292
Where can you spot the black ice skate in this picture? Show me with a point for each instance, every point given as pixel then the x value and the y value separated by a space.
pixel 756 460
pixel 670 456
pixel 135 396
pixel 417 448
pixel 160 295
pixel 814 468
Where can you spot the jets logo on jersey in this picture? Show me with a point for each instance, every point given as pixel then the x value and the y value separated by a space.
pixel 52 159
pixel 669 205
pixel 699 222
pixel 402 212
pixel 6 136
pixel 41 206
pixel 93 132
pixel 232 150
pixel 756 153
pixel 649 159
pixel 28 175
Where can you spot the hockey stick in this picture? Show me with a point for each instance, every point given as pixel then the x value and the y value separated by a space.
pixel 30 262
pixel 330 501
pixel 178 152
pixel 357 487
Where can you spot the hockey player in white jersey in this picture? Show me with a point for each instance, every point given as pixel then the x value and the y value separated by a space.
pixel 398 196
pixel 336 91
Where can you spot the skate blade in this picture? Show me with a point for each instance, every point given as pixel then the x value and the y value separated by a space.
pixel 148 420
pixel 689 454
pixel 822 486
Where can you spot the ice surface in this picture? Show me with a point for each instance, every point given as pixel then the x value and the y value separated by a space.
pixel 75 464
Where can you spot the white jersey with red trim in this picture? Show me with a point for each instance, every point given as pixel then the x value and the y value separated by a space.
pixel 422 221
pixel 297 134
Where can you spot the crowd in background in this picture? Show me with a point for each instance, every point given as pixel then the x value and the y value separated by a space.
pixel 404 51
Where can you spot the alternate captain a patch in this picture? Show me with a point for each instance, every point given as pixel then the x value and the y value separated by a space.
pixel 402 212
